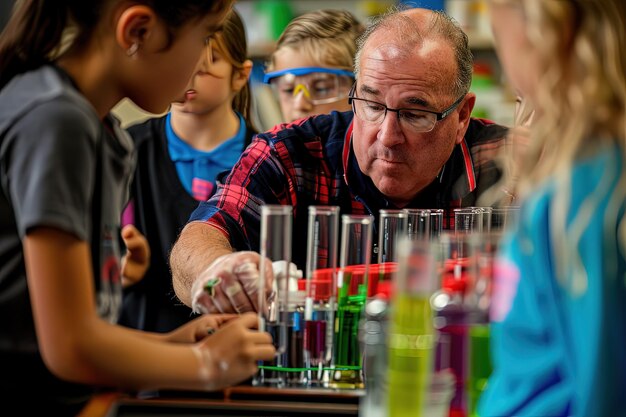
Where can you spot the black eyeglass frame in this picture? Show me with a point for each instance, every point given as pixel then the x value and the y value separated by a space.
pixel 440 115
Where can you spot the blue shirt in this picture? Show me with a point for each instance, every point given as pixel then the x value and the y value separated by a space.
pixel 197 169
pixel 559 302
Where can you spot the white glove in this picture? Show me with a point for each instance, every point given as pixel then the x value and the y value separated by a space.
pixel 229 284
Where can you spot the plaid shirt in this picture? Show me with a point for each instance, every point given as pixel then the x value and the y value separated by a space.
pixel 311 162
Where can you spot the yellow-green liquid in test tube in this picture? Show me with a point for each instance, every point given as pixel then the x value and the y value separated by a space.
pixel 412 335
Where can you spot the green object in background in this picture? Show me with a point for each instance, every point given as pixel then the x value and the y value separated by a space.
pixel 480 364
pixel 278 13
pixel 480 84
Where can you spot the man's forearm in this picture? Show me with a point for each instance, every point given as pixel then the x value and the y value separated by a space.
pixel 198 245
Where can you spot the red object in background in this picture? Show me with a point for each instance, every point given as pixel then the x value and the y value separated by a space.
pixel 455 278
pixel 320 284
pixel 380 280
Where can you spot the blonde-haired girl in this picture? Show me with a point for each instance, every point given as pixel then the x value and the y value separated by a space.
pixel 311 69
pixel 558 339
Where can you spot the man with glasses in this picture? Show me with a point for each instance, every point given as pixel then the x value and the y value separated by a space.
pixel 408 143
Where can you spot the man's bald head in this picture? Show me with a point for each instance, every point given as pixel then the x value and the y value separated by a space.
pixel 406 30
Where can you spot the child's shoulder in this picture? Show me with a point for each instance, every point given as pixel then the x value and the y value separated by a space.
pixel 45 92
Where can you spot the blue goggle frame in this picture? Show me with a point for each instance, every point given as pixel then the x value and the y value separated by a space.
pixel 304 71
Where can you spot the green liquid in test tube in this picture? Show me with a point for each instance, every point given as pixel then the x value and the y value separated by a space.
pixel 356 244
pixel 480 364
pixel 412 335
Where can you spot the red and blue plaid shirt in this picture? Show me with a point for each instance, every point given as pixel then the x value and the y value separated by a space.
pixel 304 163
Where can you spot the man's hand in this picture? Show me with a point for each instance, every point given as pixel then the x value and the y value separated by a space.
pixel 137 259
pixel 230 284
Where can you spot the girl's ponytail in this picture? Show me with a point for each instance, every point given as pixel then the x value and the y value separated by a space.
pixel 31 35
pixel 242 102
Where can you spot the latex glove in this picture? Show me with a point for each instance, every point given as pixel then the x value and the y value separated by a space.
pixel 280 271
pixel 231 355
pixel 199 328
pixel 234 282
pixel 137 259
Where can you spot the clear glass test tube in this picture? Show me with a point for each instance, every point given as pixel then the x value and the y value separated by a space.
pixel 503 217
pixel 393 226
pixel 487 216
pixel 274 317
pixel 468 220
pixel 436 223
pixel 418 223
pixel 354 265
pixel 321 278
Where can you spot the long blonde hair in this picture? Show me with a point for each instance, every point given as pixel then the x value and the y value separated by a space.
pixel 582 93
pixel 580 107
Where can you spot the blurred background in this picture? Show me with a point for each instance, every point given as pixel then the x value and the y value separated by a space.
pixel 266 19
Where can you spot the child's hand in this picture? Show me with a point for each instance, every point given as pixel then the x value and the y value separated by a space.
pixel 232 353
pixel 137 259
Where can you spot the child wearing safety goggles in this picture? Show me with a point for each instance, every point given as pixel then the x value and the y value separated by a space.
pixel 311 69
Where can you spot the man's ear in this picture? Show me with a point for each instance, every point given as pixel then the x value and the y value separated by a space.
pixel 241 76
pixel 134 27
pixel 465 112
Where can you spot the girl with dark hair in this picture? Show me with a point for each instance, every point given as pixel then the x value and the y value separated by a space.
pixel 179 158
pixel 64 169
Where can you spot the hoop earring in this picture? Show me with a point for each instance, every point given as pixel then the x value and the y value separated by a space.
pixel 132 50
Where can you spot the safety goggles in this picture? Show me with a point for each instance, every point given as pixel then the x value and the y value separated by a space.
pixel 318 85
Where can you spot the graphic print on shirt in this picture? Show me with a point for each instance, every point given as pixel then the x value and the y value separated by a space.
pixel 110 291
pixel 202 189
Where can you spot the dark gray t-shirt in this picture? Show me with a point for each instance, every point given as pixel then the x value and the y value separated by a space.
pixel 62 167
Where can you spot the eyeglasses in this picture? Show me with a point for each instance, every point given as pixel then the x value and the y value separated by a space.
pixel 416 120
pixel 317 84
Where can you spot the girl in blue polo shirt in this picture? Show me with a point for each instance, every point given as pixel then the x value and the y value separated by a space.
pixel 180 157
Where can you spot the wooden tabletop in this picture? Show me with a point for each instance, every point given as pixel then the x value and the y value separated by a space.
pixel 235 401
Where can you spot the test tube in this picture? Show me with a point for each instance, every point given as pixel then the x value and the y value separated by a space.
pixel 418 223
pixel 455 308
pixel 480 366
pixel 503 217
pixel 354 264
pixel 321 278
pixel 487 215
pixel 393 226
pixel 274 317
pixel 436 223
pixel 412 335
pixel 468 220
